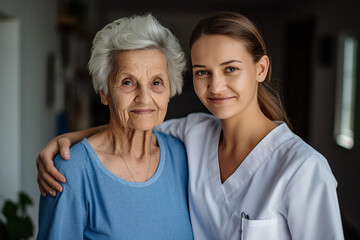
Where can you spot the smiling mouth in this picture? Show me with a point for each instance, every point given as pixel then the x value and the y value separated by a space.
pixel 220 100
pixel 142 111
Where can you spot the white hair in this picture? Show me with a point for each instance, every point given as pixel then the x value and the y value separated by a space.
pixel 135 33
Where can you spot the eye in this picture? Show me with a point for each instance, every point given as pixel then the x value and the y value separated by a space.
pixel 231 69
pixel 201 73
pixel 127 82
pixel 157 82
pixel 157 85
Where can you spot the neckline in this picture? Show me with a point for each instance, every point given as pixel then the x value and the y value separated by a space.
pixel 107 172
pixel 250 164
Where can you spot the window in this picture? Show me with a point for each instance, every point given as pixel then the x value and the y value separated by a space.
pixel 345 95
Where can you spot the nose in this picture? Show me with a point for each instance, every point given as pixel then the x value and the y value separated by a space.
pixel 217 84
pixel 143 95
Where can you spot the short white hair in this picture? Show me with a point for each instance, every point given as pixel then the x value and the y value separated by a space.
pixel 135 33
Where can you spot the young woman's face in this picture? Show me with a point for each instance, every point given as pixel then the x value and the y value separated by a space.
pixel 225 76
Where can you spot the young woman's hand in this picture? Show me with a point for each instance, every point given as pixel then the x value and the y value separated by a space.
pixel 48 175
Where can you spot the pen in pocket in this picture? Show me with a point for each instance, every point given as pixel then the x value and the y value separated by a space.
pixel 243 216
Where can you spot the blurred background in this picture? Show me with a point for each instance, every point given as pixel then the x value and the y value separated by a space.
pixel 45 88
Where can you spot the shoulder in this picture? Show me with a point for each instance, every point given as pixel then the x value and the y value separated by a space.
pixel 170 146
pixel 316 166
pixel 193 119
pixel 197 122
pixel 169 141
pixel 290 147
pixel 301 151
pixel 198 118
pixel 308 162
pixel 173 151
pixel 79 156
pixel 293 156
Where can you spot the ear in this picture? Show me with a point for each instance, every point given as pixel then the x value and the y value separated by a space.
pixel 262 68
pixel 104 98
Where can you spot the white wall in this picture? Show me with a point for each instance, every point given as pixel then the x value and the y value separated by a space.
pixel 9 107
pixel 37 123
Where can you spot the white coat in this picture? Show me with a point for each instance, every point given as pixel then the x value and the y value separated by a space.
pixel 284 186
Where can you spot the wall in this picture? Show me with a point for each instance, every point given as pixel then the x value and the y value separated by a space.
pixel 9 108
pixel 38 38
pixel 345 163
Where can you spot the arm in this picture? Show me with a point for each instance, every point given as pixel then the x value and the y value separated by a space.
pixel 173 127
pixel 65 215
pixel 180 127
pixel 48 175
pixel 311 204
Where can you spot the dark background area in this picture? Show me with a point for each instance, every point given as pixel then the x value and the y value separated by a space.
pixel 301 36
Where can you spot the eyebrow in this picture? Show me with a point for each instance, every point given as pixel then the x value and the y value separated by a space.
pixel 129 75
pixel 228 62
pixel 221 64
pixel 198 66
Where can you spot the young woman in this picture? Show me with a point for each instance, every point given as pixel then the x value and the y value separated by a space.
pixel 250 177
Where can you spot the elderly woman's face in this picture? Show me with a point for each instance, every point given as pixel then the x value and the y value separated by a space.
pixel 139 89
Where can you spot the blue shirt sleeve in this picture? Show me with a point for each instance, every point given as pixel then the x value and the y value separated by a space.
pixel 65 216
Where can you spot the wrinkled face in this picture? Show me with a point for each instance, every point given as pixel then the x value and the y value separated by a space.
pixel 225 76
pixel 139 89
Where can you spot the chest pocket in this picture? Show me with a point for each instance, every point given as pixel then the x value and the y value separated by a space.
pixel 252 229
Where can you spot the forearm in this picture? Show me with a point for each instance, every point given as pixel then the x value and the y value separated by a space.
pixel 77 136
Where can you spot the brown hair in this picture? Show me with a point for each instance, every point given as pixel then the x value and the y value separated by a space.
pixel 239 27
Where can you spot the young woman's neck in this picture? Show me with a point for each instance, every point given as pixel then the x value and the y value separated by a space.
pixel 245 130
pixel 240 135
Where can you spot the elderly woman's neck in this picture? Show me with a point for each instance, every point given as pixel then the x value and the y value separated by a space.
pixel 130 141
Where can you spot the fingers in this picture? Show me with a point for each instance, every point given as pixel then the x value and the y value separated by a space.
pixel 52 174
pixel 64 145
pixel 45 161
pixel 45 189
pixel 48 175
pixel 47 183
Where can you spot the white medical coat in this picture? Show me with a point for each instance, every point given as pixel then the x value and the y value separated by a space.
pixel 285 186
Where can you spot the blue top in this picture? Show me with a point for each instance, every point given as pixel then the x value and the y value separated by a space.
pixel 96 204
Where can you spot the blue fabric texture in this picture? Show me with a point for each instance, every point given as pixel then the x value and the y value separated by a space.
pixel 96 204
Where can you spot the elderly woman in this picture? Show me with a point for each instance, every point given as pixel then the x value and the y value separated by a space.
pixel 127 181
